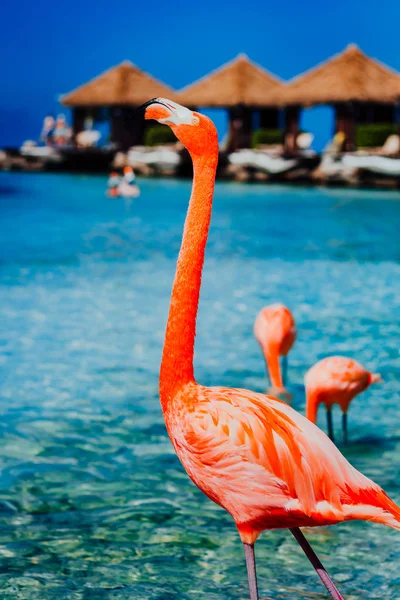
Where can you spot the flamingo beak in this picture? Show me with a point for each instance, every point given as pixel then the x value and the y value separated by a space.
pixel 155 109
pixel 168 112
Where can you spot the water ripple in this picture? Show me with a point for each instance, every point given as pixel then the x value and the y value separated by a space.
pixel 94 503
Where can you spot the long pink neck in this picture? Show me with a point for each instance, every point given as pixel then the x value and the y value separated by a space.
pixel 178 352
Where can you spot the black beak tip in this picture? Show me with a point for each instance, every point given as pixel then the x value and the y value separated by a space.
pixel 143 107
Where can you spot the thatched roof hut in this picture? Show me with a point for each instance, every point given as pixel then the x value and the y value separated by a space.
pixel 114 95
pixel 361 89
pixel 241 86
pixel 238 82
pixel 122 85
pixel 350 76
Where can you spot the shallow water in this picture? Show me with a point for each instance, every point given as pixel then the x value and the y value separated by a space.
pixel 94 503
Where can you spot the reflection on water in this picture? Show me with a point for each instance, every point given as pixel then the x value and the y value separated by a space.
pixel 93 502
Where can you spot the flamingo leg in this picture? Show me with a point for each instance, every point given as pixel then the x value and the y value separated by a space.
pixel 330 424
pixel 251 570
pixel 344 428
pixel 316 563
pixel 285 364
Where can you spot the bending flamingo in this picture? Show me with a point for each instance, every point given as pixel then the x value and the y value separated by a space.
pixel 255 456
pixel 275 331
pixel 335 380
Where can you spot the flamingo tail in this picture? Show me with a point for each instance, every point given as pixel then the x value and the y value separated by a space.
pixel 375 505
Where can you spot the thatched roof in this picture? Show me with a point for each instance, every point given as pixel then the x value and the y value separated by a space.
pixel 348 76
pixel 237 82
pixel 123 84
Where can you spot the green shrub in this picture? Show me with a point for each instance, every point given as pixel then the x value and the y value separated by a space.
pixel 266 136
pixel 158 135
pixel 374 134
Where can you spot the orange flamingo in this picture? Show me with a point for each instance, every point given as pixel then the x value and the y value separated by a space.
pixel 255 456
pixel 335 380
pixel 275 331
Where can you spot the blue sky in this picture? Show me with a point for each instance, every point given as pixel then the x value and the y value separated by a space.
pixel 48 48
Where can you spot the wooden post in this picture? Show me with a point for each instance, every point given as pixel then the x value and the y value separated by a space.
pixel 350 141
pixel 339 121
pixel 396 116
pixel 346 123
pixel 292 117
pixel 240 128
pixel 232 132
pixel 115 125
pixel 247 128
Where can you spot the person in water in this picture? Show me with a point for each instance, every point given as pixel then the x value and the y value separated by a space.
pixel 113 185
pixel 129 174
pixel 128 187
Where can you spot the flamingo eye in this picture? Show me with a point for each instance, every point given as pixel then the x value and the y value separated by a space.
pixel 195 120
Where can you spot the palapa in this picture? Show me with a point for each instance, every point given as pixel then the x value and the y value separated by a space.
pixel 238 82
pixel 124 84
pixel 350 76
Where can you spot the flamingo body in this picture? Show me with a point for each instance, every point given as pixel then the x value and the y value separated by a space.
pixel 335 380
pixel 275 331
pixel 266 464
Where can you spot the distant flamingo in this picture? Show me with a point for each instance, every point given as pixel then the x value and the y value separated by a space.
pixel 255 456
pixel 275 331
pixel 335 380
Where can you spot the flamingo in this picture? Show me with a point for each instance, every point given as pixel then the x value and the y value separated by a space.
pixel 275 331
pixel 335 380
pixel 252 454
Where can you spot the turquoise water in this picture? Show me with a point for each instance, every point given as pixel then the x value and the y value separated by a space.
pixel 93 502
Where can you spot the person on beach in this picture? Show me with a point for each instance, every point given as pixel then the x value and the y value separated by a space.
pixel 47 133
pixel 62 133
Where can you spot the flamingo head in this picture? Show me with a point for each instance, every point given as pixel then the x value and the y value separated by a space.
pixel 374 378
pixel 196 132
